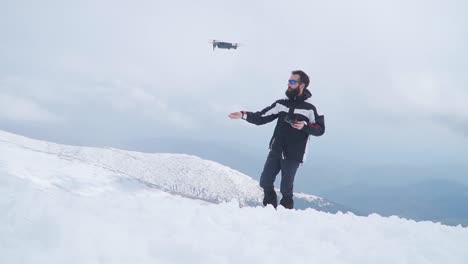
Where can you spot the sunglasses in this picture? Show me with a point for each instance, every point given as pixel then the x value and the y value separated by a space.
pixel 293 82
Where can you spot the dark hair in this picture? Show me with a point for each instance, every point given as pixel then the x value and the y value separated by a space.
pixel 303 77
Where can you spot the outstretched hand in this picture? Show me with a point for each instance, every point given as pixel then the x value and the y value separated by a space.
pixel 235 115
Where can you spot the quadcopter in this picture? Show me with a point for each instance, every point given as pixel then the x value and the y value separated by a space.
pixel 223 45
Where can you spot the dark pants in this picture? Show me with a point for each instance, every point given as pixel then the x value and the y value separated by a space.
pixel 273 165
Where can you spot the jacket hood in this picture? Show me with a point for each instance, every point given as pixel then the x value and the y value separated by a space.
pixel 306 94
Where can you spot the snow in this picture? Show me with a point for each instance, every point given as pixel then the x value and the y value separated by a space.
pixel 100 167
pixel 65 204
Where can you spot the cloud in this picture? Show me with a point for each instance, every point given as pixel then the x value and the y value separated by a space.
pixel 133 71
pixel 429 104
pixel 142 103
pixel 456 124
pixel 15 108
pixel 421 96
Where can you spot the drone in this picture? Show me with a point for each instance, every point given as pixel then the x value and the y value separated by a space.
pixel 223 45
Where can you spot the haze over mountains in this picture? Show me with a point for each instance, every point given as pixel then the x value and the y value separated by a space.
pixel 422 192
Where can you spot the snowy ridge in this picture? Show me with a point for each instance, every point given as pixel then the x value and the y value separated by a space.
pixel 101 168
pixel 179 173
pixel 312 198
pixel 63 204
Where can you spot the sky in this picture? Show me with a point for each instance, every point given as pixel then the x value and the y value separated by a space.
pixel 64 204
pixel 389 76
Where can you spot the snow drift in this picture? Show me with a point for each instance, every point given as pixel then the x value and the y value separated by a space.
pixel 64 204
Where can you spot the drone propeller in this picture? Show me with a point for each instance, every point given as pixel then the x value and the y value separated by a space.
pixel 213 41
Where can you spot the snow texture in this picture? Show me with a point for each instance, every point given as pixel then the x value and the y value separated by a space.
pixel 66 204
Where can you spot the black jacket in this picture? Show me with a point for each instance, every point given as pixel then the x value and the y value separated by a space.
pixel 288 141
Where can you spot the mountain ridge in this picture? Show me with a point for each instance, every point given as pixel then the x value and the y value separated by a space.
pixel 182 174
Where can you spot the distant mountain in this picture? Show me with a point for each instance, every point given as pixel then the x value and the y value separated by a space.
pixel 55 166
pixel 438 200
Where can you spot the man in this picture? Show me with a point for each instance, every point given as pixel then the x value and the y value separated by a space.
pixel 297 120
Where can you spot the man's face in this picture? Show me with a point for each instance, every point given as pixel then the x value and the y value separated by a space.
pixel 294 86
pixel 294 78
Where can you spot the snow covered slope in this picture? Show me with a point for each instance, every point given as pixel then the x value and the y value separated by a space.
pixel 61 204
pixel 88 170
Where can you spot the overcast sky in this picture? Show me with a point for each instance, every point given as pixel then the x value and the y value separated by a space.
pixel 390 76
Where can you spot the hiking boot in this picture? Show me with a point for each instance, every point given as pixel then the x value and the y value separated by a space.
pixel 287 202
pixel 270 198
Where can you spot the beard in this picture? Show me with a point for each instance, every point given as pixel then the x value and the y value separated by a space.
pixel 291 93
